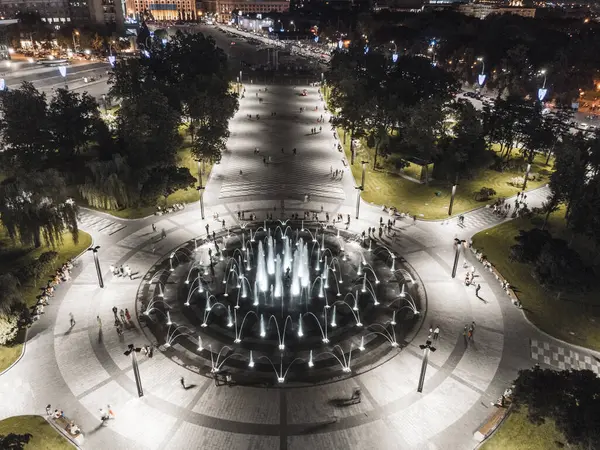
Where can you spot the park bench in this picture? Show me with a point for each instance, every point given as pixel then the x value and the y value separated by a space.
pixel 490 425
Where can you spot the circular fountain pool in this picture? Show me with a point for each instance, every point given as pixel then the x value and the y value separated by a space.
pixel 281 302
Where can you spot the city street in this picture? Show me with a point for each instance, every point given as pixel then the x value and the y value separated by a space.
pixel 82 368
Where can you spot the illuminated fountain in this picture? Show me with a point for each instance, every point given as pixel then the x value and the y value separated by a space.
pixel 282 297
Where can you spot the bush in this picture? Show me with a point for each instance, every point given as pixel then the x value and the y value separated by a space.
pixel 484 194
pixel 529 245
pixel 518 181
pixel 9 327
pixel 558 265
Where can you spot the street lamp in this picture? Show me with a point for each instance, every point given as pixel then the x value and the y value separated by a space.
pixel 292 23
pixel 542 91
pixel 427 347
pixel 526 176
pixel 75 33
pixel 360 188
pixel 136 370
pixel 458 243
pixel 481 77
pixel 94 250
pixel 452 198
pixel 395 54
pixel 200 190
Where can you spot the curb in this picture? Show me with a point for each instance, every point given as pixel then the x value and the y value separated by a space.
pixel 27 329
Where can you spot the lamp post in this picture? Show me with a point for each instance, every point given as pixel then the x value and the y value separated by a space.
pixel 482 76
pixel 526 176
pixel 136 370
pixel 238 85
pixel 63 73
pixel 292 23
pixel 94 250
pixel 452 199
pixel 542 91
pixel 395 54
pixel 200 190
pixel 458 243
pixel 75 33
pixel 360 188
pixel 241 76
pixel 427 347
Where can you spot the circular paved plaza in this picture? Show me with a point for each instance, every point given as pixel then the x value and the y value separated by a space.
pixel 84 368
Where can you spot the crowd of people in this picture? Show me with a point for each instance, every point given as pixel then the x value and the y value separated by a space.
pixel 62 275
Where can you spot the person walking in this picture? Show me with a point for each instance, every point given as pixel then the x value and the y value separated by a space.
pixel 207 229
pixel 430 332
pixel 99 320
pixel 127 315
pixel 115 311
pixel 153 227
pixel 163 233
pixel 477 289
pixel 122 314
pixel 182 381
pixel 436 333
pixel 471 330
pixel 71 319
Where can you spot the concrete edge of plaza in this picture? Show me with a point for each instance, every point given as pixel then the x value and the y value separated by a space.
pixel 14 363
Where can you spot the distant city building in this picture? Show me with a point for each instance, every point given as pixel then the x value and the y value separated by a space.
pixel 225 7
pixel 481 11
pixel 59 12
pixel 162 9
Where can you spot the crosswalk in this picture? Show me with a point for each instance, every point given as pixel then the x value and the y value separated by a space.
pixel 91 222
pixel 485 217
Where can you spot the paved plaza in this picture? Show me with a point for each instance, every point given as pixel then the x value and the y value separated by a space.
pixel 83 368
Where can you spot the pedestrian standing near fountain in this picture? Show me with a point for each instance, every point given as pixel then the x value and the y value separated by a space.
pixel 436 333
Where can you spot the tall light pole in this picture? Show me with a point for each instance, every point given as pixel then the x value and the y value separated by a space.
pixel 136 370
pixel 458 244
pixel 427 347
pixel 360 188
pixel 481 77
pixel 526 176
pixel 94 250
pixel 395 54
pixel 75 33
pixel 241 76
pixel 452 199
pixel 542 91
pixel 200 190
pixel 63 73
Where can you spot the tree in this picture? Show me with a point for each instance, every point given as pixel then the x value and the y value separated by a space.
pixel 10 294
pixel 163 181
pixel 24 127
pixel 109 184
pixel 147 128
pixel 463 149
pixel 13 441
pixel 571 398
pixel 72 120
pixel 35 207
pixel 210 144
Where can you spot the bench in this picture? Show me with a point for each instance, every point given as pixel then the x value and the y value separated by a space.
pixel 490 425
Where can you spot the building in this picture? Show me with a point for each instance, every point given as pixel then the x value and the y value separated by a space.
pixel 162 9
pixel 224 8
pixel 78 12
pixel 481 11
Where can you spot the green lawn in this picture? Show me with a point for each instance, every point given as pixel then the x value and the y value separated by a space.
pixel 184 159
pixel 576 315
pixel 517 433
pixel 13 256
pixel 44 437
pixel 383 187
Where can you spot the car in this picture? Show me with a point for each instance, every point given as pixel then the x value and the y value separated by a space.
pixel 232 43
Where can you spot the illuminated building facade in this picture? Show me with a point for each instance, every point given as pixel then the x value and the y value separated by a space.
pixel 162 10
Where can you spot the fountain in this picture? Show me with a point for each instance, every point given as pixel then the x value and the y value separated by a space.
pixel 268 291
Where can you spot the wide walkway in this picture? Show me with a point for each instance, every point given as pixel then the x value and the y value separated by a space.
pixel 82 369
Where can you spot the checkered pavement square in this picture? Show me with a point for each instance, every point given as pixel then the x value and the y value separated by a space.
pixel 563 358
